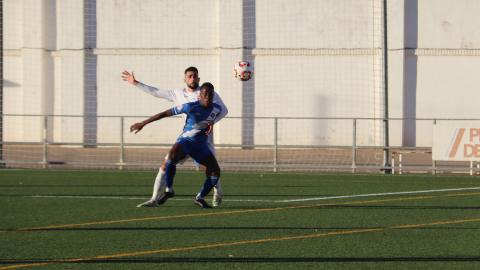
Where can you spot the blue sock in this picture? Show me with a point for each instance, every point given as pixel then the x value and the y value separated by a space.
pixel 170 170
pixel 207 186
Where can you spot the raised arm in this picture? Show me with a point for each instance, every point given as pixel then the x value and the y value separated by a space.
pixel 160 93
pixel 138 126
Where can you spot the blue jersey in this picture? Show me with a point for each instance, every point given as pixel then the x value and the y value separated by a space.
pixel 198 118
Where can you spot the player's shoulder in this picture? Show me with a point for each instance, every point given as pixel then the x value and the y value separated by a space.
pixel 177 91
pixel 193 104
pixel 190 96
pixel 217 98
pixel 188 104
pixel 216 95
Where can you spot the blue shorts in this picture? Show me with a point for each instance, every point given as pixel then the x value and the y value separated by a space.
pixel 196 150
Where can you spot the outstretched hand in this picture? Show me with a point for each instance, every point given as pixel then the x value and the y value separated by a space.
pixel 129 77
pixel 136 127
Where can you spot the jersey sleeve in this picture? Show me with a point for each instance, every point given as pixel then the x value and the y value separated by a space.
pixel 183 108
pixel 217 113
pixel 223 109
pixel 160 93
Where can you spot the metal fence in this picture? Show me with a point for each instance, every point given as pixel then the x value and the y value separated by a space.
pixel 280 144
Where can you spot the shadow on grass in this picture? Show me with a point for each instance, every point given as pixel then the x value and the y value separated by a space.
pixel 190 229
pixel 190 195
pixel 308 229
pixel 76 186
pixel 402 207
pixel 250 260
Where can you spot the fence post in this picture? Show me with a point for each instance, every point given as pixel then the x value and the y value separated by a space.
pixel 393 164
pixel 386 148
pixel 44 142
pixel 386 127
pixel 275 144
pixel 122 144
pixel 400 166
pixel 354 146
pixel 434 163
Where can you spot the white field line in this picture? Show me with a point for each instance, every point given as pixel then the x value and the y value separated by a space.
pixel 380 194
pixel 271 201
pixel 129 198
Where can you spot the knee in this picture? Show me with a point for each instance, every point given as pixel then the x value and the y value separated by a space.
pixel 164 163
pixel 213 171
pixel 170 163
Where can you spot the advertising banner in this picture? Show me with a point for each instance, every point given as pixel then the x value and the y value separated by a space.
pixel 456 142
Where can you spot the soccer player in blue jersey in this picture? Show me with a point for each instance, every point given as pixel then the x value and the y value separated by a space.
pixel 179 96
pixel 192 142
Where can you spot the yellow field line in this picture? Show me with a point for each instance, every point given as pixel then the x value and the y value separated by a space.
pixel 236 243
pixel 233 212
pixel 212 214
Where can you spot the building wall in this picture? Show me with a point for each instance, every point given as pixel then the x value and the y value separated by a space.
pixel 312 59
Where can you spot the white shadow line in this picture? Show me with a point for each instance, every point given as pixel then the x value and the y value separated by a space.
pixel 130 198
pixel 380 194
pixel 270 201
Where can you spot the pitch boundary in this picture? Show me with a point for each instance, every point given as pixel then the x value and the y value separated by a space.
pixel 270 201
pixel 243 242
pixel 256 210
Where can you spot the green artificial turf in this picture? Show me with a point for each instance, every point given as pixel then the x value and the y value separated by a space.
pixel 89 220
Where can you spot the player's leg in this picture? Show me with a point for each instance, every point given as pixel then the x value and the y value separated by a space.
pixel 212 174
pixel 175 155
pixel 164 179
pixel 158 187
pixel 160 184
pixel 217 194
pixel 217 189
pixel 197 165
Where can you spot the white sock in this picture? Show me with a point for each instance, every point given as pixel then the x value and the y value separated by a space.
pixel 159 184
pixel 217 189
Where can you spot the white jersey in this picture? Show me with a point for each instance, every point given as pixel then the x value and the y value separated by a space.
pixel 182 96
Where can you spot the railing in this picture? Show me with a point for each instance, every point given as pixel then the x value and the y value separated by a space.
pixel 355 146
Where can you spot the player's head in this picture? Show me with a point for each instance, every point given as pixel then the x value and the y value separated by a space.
pixel 206 94
pixel 191 77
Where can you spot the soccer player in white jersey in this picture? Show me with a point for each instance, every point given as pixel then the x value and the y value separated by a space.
pixel 190 93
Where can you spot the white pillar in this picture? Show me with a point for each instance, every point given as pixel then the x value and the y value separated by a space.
pixel 402 35
pixel 69 67
pixel 38 40
pixel 230 42
pixel 396 65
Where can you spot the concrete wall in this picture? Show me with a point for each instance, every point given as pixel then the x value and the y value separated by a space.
pixel 434 48
pixel 313 58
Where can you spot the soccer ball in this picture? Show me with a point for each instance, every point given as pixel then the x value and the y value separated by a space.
pixel 243 70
